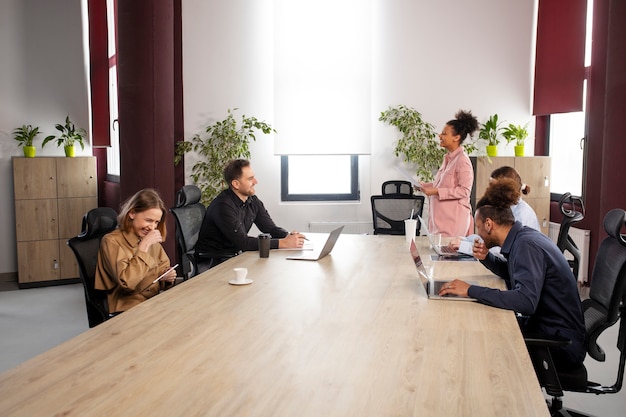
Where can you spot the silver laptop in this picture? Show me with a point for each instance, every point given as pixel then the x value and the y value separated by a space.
pixel 441 250
pixel 328 246
pixel 431 286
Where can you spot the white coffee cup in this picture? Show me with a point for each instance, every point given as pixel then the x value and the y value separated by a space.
pixel 240 274
pixel 410 226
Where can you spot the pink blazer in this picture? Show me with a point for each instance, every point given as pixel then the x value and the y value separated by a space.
pixel 450 212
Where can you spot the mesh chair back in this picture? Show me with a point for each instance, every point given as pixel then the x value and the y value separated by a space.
pixel 397 187
pixel 189 213
pixel 608 282
pixel 96 223
pixel 390 211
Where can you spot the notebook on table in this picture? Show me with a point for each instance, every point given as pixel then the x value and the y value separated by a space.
pixel 431 286
pixel 328 247
pixel 441 250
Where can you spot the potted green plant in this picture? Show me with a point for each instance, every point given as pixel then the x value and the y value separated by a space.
pixel 518 134
pixel 418 145
pixel 491 131
pixel 25 136
pixel 68 137
pixel 224 141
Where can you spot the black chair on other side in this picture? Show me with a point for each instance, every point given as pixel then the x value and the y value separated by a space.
pixel 188 212
pixel 573 211
pixel 96 223
pixel 605 306
pixel 389 212
pixel 397 187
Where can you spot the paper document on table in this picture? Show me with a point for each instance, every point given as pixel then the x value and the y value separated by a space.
pixel 409 176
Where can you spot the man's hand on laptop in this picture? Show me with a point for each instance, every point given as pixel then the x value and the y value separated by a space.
pixel 456 287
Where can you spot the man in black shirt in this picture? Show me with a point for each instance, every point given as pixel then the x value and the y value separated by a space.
pixel 229 217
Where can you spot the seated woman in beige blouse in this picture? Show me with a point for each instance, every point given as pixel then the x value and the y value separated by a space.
pixel 131 257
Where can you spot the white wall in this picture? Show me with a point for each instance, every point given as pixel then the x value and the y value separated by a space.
pixel 437 57
pixel 42 79
pixel 434 56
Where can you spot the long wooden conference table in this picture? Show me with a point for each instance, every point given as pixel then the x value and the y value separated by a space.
pixel 350 335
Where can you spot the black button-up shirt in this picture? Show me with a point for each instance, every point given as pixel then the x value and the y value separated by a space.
pixel 224 230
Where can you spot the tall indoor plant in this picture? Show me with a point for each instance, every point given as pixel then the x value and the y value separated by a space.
pixel 68 137
pixel 518 134
pixel 224 140
pixel 25 136
pixel 418 145
pixel 491 132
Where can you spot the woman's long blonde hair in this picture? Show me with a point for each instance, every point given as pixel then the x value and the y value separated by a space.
pixel 143 200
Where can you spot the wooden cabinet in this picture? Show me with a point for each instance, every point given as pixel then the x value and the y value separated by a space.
pixel 51 196
pixel 534 170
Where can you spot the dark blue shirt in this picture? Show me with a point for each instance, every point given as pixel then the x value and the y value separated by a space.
pixel 226 223
pixel 540 285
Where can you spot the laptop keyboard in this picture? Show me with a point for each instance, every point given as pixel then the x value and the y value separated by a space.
pixel 446 249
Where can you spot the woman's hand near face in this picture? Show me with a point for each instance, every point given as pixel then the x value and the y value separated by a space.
pixel 150 239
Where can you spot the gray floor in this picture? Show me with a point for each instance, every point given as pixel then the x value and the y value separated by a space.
pixel 35 320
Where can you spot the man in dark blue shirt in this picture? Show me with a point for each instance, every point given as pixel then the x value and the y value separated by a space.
pixel 540 283
pixel 229 217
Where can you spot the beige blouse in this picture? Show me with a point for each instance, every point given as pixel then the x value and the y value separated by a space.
pixel 126 273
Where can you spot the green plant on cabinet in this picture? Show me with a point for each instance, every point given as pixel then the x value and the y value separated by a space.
pixel 224 141
pixel 491 132
pixel 517 134
pixel 68 137
pixel 25 136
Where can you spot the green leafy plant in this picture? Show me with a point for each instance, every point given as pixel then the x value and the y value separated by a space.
pixel 69 135
pixel 25 135
pixel 224 141
pixel 418 145
pixel 491 130
pixel 515 133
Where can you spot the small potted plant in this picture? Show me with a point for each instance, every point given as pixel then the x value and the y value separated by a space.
pixel 491 131
pixel 68 137
pixel 25 136
pixel 518 134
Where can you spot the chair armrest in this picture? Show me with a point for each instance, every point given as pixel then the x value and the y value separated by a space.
pixel 546 340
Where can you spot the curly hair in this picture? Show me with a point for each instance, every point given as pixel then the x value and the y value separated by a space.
pixel 496 203
pixel 464 124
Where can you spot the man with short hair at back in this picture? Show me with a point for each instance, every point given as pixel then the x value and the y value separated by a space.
pixel 229 217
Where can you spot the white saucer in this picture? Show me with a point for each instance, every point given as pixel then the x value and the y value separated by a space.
pixel 245 282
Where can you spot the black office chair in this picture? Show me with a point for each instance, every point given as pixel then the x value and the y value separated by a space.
pixel 573 211
pixel 96 223
pixel 188 212
pixel 389 212
pixel 605 306
pixel 397 187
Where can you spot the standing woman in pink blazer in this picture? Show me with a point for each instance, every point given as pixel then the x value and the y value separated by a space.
pixel 450 211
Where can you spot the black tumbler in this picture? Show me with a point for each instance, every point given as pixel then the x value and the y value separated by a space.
pixel 264 245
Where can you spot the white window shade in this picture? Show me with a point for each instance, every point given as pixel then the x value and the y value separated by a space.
pixel 322 67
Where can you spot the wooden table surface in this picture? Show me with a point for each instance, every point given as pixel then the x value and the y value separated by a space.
pixel 350 335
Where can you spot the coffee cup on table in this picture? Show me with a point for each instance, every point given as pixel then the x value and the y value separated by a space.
pixel 410 228
pixel 240 275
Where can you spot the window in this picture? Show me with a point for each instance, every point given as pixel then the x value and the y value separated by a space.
pixel 567 135
pixel 113 152
pixel 567 131
pixel 319 177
